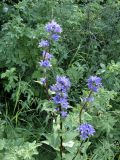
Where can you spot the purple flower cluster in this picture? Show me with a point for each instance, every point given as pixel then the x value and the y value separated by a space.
pixel 61 97
pixel 94 83
pixel 46 60
pixel 86 130
pixel 54 29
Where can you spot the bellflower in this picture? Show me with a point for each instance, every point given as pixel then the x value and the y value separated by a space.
pixel 55 37
pixel 43 81
pixel 45 63
pixel 64 114
pixel 53 27
pixel 65 104
pixel 59 99
pixel 94 83
pixel 44 43
pixel 60 88
pixel 63 83
pixel 86 130
pixel 46 55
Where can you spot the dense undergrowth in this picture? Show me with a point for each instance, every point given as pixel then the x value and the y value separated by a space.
pixel 89 45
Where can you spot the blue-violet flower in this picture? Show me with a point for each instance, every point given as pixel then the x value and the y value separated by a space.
pixel 94 83
pixel 46 55
pixel 43 81
pixel 86 130
pixel 45 63
pixel 60 88
pixel 53 27
pixel 64 114
pixel 55 37
pixel 44 43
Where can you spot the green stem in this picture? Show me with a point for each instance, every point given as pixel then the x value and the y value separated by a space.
pixel 61 142
pixel 80 120
pixel 78 151
pixel 61 138
pixel 17 96
pixel 84 106
pixel 74 55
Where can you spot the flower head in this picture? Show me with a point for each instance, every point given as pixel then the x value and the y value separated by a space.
pixel 59 99
pixel 43 81
pixel 63 83
pixel 45 63
pixel 65 104
pixel 60 88
pixel 46 55
pixel 94 83
pixel 64 114
pixel 86 130
pixel 55 37
pixel 53 27
pixel 44 43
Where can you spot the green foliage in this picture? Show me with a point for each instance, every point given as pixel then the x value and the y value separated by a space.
pixel 17 149
pixel 103 151
pixel 12 78
pixel 111 75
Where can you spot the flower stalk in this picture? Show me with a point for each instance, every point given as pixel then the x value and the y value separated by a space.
pixel 61 138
